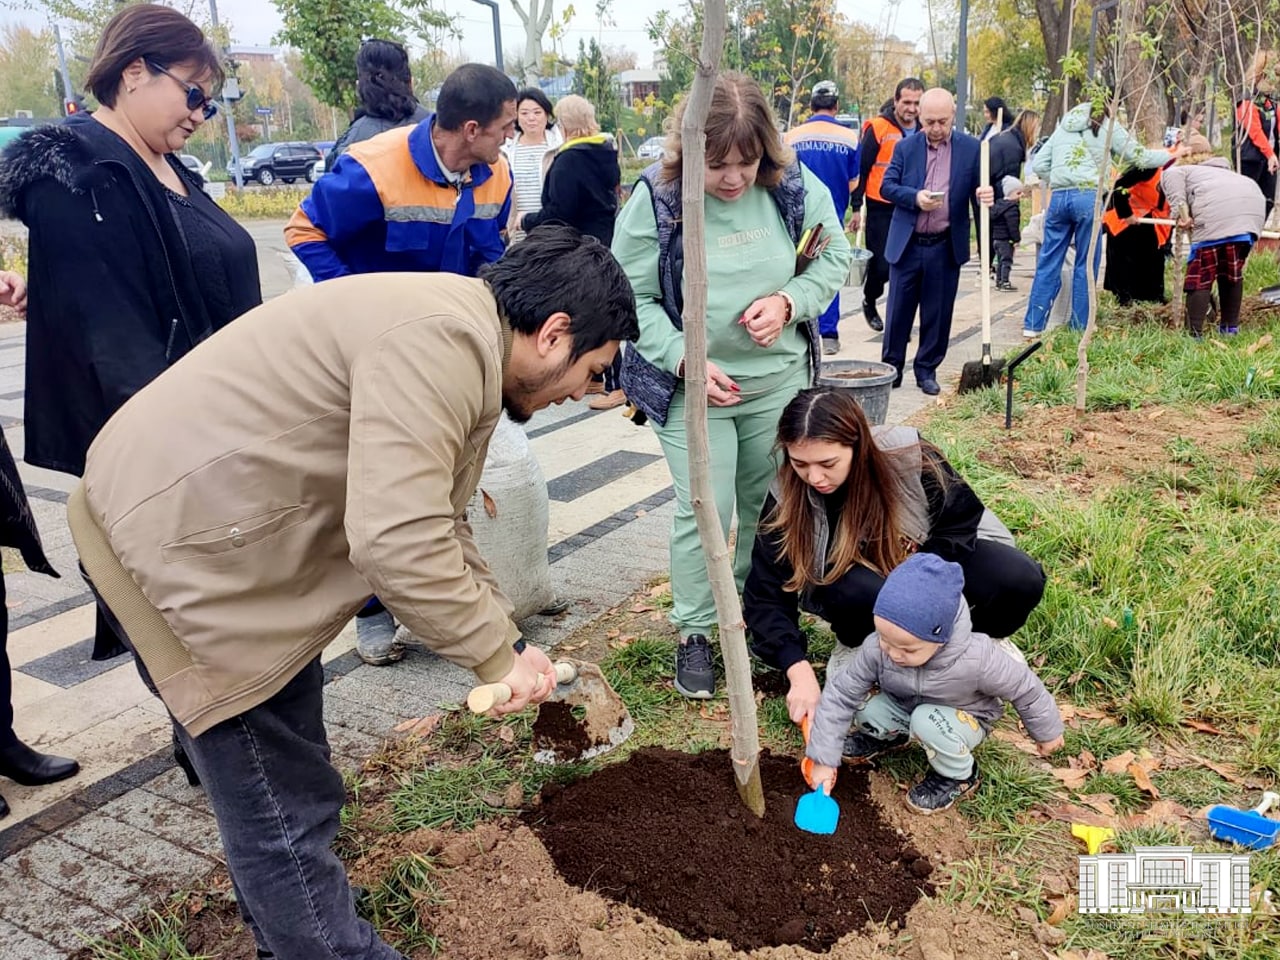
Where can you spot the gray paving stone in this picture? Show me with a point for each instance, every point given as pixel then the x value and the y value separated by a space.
pixel 596 474
pixel 172 785
pixel 20 945
pixel 67 666
pixel 82 886
pixel 178 823
pixel 393 698
pixel 351 746
pixel 340 711
pixel 140 851
pixel 62 918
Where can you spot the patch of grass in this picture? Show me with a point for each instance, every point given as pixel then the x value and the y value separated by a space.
pixel 641 673
pixel 995 886
pixel 1260 270
pixel 396 905
pixel 1164 673
pixel 1010 786
pixel 461 795
pixel 1121 786
pixel 157 936
pixel 1193 787
pixel 1103 740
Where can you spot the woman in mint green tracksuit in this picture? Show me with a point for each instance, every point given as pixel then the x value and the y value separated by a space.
pixel 762 345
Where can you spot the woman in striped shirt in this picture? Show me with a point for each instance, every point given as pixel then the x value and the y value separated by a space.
pixel 529 153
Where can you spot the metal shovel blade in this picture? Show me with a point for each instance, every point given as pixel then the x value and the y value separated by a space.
pixel 582 719
pixel 817 813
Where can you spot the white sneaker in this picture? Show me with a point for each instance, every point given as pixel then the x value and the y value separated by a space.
pixel 1031 334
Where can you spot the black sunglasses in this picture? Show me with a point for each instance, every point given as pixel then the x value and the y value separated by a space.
pixel 196 100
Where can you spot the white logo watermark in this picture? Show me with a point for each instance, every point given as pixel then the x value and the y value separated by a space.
pixel 1164 882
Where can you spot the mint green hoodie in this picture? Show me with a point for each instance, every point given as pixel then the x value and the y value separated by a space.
pixel 1072 157
pixel 749 256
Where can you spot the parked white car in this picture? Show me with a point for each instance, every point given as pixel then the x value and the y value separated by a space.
pixel 651 149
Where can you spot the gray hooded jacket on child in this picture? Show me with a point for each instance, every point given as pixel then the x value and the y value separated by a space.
pixel 970 673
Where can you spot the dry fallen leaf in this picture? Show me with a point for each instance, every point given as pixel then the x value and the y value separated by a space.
pixel 1262 341
pixel 1118 764
pixel 490 507
pixel 1061 908
pixel 643 608
pixel 1143 779
pixel 1087 760
pixel 506 734
pixel 1071 779
pixel 1108 621
pixel 1202 726
pixel 1016 739
pixel 1104 803
pixel 660 589
pixel 1160 813
pixel 1074 813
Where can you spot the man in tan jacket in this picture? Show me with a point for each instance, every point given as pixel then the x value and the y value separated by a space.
pixel 238 510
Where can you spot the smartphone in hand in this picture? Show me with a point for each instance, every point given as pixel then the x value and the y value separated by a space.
pixel 936 194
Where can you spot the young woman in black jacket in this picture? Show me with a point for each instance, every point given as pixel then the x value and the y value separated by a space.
pixel 849 504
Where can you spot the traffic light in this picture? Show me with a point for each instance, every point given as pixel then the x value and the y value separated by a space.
pixel 73 106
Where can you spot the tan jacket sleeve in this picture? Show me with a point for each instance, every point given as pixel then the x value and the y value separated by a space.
pixel 417 395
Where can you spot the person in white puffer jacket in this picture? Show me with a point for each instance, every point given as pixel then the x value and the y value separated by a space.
pixel 1225 211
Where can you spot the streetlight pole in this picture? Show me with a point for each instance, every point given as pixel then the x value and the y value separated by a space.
pixel 68 95
pixel 232 140
pixel 497 31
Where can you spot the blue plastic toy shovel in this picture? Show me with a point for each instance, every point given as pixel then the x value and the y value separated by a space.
pixel 1249 828
pixel 817 813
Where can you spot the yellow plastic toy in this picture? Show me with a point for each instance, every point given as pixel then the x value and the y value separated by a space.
pixel 1093 837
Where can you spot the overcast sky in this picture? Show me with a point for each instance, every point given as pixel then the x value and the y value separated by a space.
pixel 254 22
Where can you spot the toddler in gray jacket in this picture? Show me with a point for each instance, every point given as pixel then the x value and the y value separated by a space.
pixel 939 683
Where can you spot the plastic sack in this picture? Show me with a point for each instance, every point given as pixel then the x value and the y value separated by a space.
pixel 509 514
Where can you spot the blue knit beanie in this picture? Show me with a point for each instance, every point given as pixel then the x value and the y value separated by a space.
pixel 922 595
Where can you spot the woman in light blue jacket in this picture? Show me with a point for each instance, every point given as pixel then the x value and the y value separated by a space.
pixel 1072 161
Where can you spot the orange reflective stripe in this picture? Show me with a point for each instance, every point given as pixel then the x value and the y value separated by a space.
pixel 300 230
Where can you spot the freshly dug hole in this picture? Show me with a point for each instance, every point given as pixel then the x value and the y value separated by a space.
pixel 666 833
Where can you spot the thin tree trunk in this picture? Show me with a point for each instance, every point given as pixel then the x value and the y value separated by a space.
pixel 745 750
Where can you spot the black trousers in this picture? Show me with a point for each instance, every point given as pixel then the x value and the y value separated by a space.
pixel 1256 170
pixel 1002 585
pixel 1135 265
pixel 878 217
pixel 925 278
pixel 7 737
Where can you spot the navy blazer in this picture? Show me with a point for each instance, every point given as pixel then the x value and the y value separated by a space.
pixel 905 178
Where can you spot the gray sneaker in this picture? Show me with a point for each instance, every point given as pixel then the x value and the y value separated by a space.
pixel 695 668
pixel 376 639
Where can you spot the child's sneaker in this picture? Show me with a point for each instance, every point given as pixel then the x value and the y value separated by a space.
pixel 936 793
pixel 862 748
pixel 1228 330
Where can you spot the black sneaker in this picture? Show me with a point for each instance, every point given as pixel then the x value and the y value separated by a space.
pixel 873 316
pixel 1006 286
pixel 862 748
pixel 695 670
pixel 936 793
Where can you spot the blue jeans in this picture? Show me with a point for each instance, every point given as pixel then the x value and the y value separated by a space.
pixel 1069 221
pixel 829 322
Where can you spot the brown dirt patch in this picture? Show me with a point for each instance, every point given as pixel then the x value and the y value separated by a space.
pixel 1100 450
pixel 665 832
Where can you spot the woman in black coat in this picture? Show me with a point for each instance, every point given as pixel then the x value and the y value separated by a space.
pixel 130 263
pixel 19 762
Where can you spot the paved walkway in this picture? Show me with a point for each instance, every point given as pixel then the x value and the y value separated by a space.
pixel 81 857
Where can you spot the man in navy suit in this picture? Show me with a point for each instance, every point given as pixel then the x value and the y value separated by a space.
pixel 930 181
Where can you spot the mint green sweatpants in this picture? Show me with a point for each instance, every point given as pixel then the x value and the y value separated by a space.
pixel 742 466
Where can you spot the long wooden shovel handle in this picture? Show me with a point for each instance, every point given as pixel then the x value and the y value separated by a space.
pixel 485 697
pixel 1158 221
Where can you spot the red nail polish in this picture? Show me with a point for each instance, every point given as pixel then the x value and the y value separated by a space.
pixel 735 388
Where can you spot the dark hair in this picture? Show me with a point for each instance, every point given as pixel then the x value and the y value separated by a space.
pixel 384 82
pixel 910 83
pixel 995 104
pixel 473 92
pixel 156 34
pixel 557 269
pixel 823 101
pixel 739 116
pixel 538 97
pixel 867 533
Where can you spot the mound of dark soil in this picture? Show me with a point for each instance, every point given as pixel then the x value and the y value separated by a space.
pixel 666 833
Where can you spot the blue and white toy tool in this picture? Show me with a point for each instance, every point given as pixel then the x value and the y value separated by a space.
pixel 817 813
pixel 1249 828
